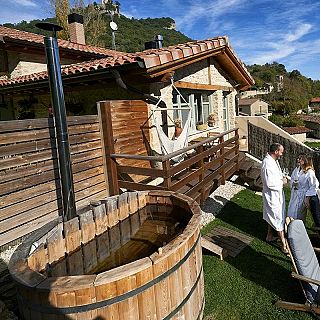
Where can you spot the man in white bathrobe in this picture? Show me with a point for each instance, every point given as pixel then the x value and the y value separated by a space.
pixel 272 193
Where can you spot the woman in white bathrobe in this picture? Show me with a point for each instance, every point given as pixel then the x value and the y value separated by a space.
pixel 304 185
pixel 273 195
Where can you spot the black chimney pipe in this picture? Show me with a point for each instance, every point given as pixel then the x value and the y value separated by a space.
pixel 158 40
pixel 59 111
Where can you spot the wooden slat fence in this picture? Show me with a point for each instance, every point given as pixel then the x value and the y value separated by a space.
pixel 30 192
pixel 260 139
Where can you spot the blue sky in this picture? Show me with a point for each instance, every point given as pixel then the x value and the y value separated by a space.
pixel 260 31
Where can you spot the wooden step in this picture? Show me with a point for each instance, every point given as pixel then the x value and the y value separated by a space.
pixel 207 243
pixel 242 156
pixel 245 166
pixel 254 173
pixel 259 181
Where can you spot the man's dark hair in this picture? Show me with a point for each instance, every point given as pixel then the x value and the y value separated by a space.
pixel 274 147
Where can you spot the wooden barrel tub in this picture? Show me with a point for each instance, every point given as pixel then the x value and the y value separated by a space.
pixel 133 256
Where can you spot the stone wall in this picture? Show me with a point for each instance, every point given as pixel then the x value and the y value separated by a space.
pixel 20 63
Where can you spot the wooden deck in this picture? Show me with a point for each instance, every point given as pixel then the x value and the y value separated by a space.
pixel 212 161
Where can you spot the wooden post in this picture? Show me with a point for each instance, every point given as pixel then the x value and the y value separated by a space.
pixel 104 110
pixel 237 148
pixel 222 161
pixel 166 176
pixel 248 136
pixel 201 176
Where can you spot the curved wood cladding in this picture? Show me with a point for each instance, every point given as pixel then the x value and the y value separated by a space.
pixel 166 285
pixel 29 179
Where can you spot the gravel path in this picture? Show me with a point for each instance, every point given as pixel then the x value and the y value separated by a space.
pixel 6 255
pixel 216 201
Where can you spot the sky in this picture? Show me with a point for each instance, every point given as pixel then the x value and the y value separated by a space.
pixel 260 31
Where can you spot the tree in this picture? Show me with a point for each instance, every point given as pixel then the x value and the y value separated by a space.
pixel 292 121
pixel 62 9
pixel 94 22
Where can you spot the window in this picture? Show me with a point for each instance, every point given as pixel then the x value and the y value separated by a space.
pixel 225 112
pixel 198 101
pixel 179 102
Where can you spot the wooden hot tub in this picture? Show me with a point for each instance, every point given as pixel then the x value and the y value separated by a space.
pixel 133 256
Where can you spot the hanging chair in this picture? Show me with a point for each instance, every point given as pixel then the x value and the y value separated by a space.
pixel 168 145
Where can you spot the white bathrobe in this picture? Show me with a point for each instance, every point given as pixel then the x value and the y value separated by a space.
pixel 307 187
pixel 272 193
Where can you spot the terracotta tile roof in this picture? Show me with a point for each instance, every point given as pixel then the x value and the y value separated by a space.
pixel 85 66
pixel 29 38
pixel 313 119
pixel 315 100
pixel 296 130
pixel 247 102
pixel 150 58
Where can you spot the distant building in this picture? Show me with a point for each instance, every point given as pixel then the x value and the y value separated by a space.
pixel 314 104
pixel 266 89
pixel 313 123
pixel 300 133
pixel 279 81
pixel 253 107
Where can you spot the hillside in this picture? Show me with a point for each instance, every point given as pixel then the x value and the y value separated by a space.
pixel 296 92
pixel 131 34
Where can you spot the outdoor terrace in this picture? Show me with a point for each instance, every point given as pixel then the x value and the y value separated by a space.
pixel 206 164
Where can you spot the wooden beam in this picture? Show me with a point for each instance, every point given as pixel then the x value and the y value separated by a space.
pixel 167 76
pixel 209 70
pixel 199 86
pixel 104 111
pixel 234 68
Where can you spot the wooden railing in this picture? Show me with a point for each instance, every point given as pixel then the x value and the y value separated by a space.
pixel 206 164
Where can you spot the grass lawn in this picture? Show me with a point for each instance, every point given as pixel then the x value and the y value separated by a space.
pixel 246 287
pixel 312 144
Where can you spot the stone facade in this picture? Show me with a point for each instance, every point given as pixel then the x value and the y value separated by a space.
pixel 80 101
pixel 198 73
pixel 20 64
